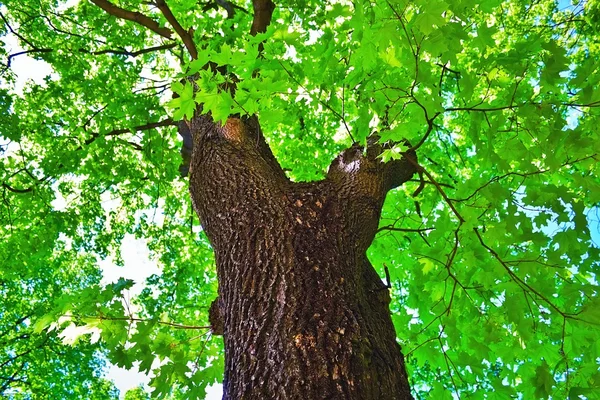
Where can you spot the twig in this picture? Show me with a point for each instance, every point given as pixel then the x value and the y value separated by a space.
pixel 131 53
pixel 392 228
pixel 438 187
pixel 15 190
pixel 134 319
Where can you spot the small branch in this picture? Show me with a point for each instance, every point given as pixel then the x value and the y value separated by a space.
pixel 438 187
pixel 399 16
pixel 393 228
pixel 152 125
pixel 427 133
pixel 12 379
pixel 431 183
pixel 133 144
pixel 14 190
pixel 419 346
pixel 446 359
pixel 227 5
pixel 133 16
pixel 445 68
pixel 263 11
pixel 513 106
pixel 20 53
pixel 388 280
pixel 134 319
pixel 592 104
pixel 188 41
pixel 116 132
pixel 518 280
pixel 323 103
pixel 99 52
pixel 131 53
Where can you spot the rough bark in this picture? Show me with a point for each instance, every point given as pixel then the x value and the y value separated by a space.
pixel 304 314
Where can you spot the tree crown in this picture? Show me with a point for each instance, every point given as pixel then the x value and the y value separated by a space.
pixel 490 252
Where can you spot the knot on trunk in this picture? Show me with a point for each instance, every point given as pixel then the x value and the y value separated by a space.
pixel 215 317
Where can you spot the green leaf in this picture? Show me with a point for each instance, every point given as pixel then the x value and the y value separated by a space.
pixel 184 105
pixel 488 247
pixel 543 381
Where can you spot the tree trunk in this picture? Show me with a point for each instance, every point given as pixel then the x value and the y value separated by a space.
pixel 304 314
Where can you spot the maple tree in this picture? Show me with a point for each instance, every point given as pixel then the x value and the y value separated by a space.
pixel 476 121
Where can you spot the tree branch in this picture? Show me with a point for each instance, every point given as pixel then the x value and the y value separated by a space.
pixel 188 41
pixel 15 32
pixel 130 53
pixel 227 5
pixel 99 52
pixel 422 170
pixel 513 106
pixel 393 228
pixel 133 16
pixel 14 190
pixel 116 132
pixel 523 175
pixel 133 319
pixel 263 11
pixel 11 379
pixel 20 53
pixel 518 280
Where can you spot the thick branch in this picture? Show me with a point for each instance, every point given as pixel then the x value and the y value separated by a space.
pixel 183 34
pixel 355 165
pixel 263 11
pixel 133 16
pixel 361 181
pixel 393 228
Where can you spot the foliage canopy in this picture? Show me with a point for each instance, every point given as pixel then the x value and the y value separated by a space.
pixel 490 252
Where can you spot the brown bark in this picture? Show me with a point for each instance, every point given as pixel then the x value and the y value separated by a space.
pixel 304 313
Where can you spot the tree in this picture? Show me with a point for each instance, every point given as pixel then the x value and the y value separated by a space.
pixel 476 123
pixel 34 274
